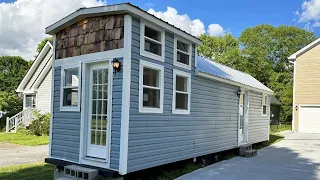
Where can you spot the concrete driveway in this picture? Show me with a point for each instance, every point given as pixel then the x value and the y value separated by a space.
pixel 295 157
pixel 13 154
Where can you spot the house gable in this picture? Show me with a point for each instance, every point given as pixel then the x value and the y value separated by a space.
pixel 43 59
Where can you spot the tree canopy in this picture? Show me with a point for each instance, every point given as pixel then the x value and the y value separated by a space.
pixel 43 42
pixel 263 52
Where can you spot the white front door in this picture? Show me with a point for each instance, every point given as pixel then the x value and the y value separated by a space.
pixel 97 111
pixel 243 113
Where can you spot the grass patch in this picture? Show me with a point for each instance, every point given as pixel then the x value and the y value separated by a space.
pixel 274 138
pixel 23 138
pixel 280 127
pixel 35 171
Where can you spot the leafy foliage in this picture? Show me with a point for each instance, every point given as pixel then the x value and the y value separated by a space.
pixel 12 71
pixel 40 125
pixel 10 102
pixel 43 42
pixel 263 52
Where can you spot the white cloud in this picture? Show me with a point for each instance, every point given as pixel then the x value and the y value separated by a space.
pixel 195 27
pixel 310 13
pixel 216 30
pixel 22 23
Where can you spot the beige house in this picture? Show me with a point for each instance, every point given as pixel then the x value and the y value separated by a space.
pixel 306 88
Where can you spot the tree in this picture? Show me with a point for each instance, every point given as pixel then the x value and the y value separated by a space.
pixel 12 71
pixel 10 102
pixel 223 49
pixel 262 51
pixel 43 42
pixel 267 49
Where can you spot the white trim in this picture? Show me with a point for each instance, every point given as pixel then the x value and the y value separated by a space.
pixel 111 9
pixel 305 49
pixel 90 57
pixel 52 95
pixel 293 98
pixel 161 87
pixel 142 41
pixel 188 76
pixel 42 75
pixel 34 67
pixel 246 118
pixel 209 76
pixel 125 109
pixel 70 108
pixel 195 56
pixel 175 51
pixel 264 103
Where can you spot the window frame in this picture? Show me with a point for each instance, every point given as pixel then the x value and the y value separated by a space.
pixel 62 87
pixel 188 76
pixel 264 103
pixel 145 53
pixel 175 59
pixel 161 86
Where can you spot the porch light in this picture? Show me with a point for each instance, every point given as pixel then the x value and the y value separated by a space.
pixel 239 93
pixel 116 65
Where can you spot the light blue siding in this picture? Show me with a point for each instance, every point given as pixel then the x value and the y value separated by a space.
pixel 66 125
pixel 156 139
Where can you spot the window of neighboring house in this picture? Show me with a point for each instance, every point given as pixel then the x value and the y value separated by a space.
pixel 30 101
pixel 182 56
pixel 181 92
pixel 151 42
pixel 150 87
pixel 70 97
pixel 264 104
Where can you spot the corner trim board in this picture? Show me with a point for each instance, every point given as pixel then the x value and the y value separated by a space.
pixel 123 159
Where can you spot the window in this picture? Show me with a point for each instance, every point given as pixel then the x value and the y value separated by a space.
pixel 181 92
pixel 182 56
pixel 30 101
pixel 264 104
pixel 150 88
pixel 151 42
pixel 70 96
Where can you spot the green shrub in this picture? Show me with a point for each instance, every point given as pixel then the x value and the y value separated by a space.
pixel 41 124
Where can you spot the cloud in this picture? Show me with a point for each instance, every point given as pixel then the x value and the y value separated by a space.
pixel 22 23
pixel 195 27
pixel 309 13
pixel 216 30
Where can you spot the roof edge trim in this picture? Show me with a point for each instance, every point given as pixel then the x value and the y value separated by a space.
pixel 304 50
pixel 209 76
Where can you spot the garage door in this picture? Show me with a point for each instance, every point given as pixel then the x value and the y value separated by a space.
pixel 309 119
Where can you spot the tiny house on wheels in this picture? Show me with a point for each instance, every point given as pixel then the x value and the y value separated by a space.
pixel 130 93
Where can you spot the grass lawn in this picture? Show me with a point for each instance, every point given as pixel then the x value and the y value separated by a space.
pixel 274 138
pixel 280 127
pixel 35 171
pixel 23 139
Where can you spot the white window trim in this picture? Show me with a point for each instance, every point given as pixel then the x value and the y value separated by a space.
pixel 188 76
pixel 175 61
pixel 161 84
pixel 142 42
pixel 264 103
pixel 70 108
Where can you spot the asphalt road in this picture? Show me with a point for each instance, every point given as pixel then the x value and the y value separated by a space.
pixel 12 154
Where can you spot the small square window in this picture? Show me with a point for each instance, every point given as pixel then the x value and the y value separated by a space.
pixel 151 41
pixel 182 50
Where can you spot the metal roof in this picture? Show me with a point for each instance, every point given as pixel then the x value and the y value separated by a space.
pixel 226 73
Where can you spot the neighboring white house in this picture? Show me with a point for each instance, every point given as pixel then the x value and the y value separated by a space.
pixel 36 85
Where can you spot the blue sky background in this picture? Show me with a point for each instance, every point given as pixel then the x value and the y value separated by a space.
pixel 232 15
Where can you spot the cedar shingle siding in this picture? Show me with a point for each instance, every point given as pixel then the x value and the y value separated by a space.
pixel 95 34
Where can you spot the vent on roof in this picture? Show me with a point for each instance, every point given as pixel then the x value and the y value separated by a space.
pixel 77 172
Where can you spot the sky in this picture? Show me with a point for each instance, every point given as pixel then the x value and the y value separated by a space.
pixel 22 22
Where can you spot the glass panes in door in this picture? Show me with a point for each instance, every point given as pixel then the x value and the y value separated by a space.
pixel 99 101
